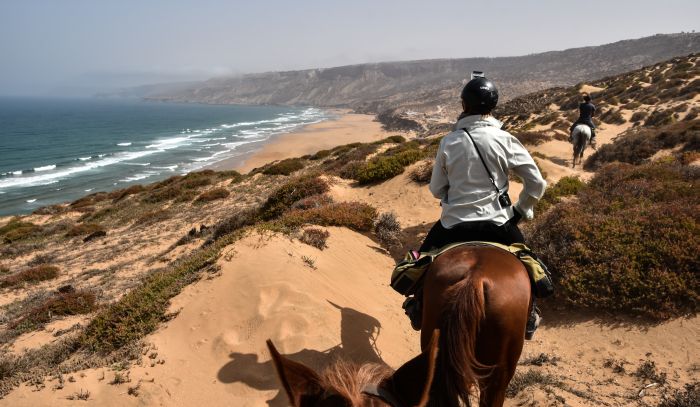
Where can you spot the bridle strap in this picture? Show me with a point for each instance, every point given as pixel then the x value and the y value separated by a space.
pixel 382 393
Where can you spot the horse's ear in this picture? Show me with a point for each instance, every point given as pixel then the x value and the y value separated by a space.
pixel 299 381
pixel 411 382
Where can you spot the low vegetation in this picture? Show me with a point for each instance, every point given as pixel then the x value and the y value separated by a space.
pixel 388 229
pixel 59 304
pixel 83 229
pixel 30 276
pixel 389 164
pixel 315 237
pixel 688 397
pixel 17 230
pixel 628 242
pixel 422 173
pixel 353 215
pixel 284 167
pixel 295 190
pixel 212 195
pixel 522 381
pixel 566 186
pixel 639 144
pixel 532 138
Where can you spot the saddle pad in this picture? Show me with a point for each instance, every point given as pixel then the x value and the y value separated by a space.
pixel 409 272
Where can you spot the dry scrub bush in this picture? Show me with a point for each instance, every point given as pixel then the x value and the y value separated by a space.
pixel 60 304
pixel 32 275
pixel 638 144
pixel 629 243
pixel 284 167
pixel 213 195
pixel 532 138
pixel 422 173
pixel 388 229
pixel 291 192
pixel 659 118
pixel 120 194
pixel 153 217
pixel 17 229
pixel 688 397
pixel 353 215
pixel 313 201
pixel 233 223
pixel 82 229
pixel 315 237
pixel 612 116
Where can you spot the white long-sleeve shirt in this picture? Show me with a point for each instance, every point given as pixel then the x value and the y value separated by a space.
pixel 462 184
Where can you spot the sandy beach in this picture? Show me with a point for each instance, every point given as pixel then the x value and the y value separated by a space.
pixel 347 128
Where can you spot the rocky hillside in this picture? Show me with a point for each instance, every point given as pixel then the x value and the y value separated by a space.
pixel 421 85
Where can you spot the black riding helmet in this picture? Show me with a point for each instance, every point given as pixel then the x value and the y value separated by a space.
pixel 481 95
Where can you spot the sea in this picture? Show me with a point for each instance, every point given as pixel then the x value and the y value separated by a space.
pixel 57 150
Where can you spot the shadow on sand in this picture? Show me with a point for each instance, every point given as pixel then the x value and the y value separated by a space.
pixel 358 335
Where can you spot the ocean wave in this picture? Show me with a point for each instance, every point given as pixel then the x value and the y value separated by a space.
pixel 123 144
pixel 169 167
pixel 84 158
pixel 30 200
pixel 138 177
pixel 45 168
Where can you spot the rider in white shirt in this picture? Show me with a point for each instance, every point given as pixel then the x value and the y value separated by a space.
pixel 470 177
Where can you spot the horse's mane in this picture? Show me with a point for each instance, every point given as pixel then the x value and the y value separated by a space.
pixel 349 379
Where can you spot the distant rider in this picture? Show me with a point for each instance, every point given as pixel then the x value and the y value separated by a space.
pixel 471 208
pixel 586 112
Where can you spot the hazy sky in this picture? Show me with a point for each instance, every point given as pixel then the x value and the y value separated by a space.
pixel 75 46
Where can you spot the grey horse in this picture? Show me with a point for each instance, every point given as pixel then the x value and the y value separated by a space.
pixel 580 138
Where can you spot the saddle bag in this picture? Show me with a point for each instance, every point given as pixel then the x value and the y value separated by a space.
pixel 408 273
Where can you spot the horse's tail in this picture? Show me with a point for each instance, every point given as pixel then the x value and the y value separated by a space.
pixel 463 313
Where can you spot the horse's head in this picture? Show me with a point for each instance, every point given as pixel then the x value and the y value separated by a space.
pixel 347 385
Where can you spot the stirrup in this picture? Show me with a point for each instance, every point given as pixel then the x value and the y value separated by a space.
pixel 532 323
pixel 414 310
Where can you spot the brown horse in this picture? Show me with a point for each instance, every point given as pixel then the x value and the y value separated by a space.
pixel 478 298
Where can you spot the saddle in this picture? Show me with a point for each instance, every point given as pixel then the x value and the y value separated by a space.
pixel 408 273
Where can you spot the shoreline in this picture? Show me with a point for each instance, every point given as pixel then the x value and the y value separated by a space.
pixel 344 129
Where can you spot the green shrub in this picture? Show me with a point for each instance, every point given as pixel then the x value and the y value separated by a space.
pixel 392 139
pixel 629 242
pixel 566 186
pixel 378 170
pixel 32 275
pixel 212 195
pixel 285 167
pixel 388 165
pixel 82 229
pixel 353 215
pixel 291 192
